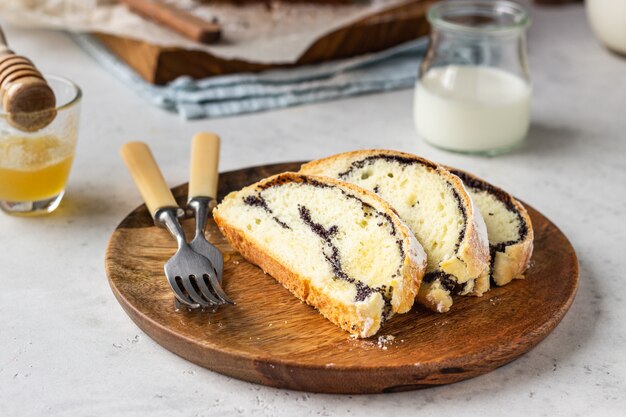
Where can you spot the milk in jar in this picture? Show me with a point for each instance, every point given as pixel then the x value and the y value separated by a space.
pixel 473 89
pixel 472 108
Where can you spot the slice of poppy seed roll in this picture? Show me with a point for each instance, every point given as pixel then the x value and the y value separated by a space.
pixel 509 229
pixel 339 248
pixel 434 204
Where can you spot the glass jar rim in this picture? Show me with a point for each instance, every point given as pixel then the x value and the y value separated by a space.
pixel 437 16
pixel 70 102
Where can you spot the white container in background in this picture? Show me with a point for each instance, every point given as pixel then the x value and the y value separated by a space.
pixel 473 91
pixel 472 108
pixel 608 21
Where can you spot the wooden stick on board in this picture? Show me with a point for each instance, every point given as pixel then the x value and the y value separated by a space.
pixel 182 22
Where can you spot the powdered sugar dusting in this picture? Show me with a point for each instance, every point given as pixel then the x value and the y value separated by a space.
pixel 416 251
pixel 479 226
pixel 369 322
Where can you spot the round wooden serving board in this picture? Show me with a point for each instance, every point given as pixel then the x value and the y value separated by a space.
pixel 272 338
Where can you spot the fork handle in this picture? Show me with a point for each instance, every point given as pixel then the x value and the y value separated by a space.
pixel 205 155
pixel 147 176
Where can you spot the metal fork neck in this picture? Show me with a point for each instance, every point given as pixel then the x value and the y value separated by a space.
pixel 168 217
pixel 201 207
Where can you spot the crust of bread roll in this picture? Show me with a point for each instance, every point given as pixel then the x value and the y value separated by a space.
pixel 513 262
pixel 473 254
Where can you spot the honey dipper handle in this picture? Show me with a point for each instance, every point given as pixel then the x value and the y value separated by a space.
pixel 205 155
pixel 4 46
pixel 147 176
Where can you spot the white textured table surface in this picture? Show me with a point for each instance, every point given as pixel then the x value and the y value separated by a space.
pixel 68 349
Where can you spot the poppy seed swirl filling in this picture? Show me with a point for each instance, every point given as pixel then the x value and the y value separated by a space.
pixel 335 246
pixel 328 235
pixel 358 170
pixel 258 201
pixel 333 258
pixel 477 185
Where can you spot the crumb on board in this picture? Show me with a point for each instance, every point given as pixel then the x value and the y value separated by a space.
pixel 384 341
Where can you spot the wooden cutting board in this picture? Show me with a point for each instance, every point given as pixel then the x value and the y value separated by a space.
pixel 382 30
pixel 272 338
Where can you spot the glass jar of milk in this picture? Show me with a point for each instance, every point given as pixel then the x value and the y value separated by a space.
pixel 473 91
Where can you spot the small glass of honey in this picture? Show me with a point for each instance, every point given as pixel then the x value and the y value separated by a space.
pixel 35 166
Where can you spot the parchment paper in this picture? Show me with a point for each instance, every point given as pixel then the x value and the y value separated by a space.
pixel 265 33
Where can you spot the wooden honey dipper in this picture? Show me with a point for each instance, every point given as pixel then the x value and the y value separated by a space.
pixel 27 99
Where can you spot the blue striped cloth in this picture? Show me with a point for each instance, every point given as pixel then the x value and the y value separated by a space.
pixel 234 94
